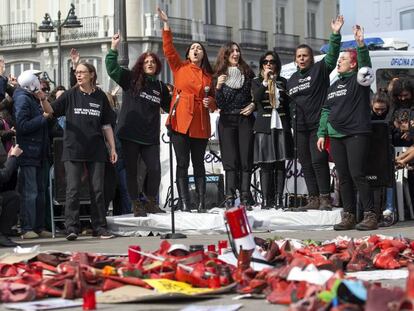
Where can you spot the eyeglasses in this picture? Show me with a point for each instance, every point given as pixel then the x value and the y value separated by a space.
pixel 269 61
pixel 81 72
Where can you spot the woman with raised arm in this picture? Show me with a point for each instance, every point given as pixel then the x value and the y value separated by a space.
pixel 233 95
pixel 273 142
pixel 346 120
pixel 189 118
pixel 307 87
pixel 139 121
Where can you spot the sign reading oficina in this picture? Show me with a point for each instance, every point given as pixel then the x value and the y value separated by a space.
pixel 402 61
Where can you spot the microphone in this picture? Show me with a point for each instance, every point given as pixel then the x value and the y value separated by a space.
pixel 271 75
pixel 206 91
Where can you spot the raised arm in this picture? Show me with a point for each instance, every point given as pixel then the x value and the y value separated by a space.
pixel 117 73
pixel 362 51
pixel 334 42
pixel 174 59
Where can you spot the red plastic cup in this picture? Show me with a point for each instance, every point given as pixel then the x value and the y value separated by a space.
pixel 134 257
pixel 211 248
pixel 89 300
pixel 222 244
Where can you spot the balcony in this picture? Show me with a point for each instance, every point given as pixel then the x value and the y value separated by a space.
pixel 315 43
pixel 18 34
pixel 253 39
pixel 286 42
pixel 217 34
pixel 92 27
pixel 184 29
pixel 181 28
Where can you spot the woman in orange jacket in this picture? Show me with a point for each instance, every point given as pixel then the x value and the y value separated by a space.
pixel 189 117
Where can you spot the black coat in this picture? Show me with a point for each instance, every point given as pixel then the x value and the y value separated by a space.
pixel 264 110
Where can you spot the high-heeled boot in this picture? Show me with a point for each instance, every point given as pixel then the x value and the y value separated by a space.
pixel 231 180
pixel 200 184
pixel 183 194
pixel 245 195
pixel 265 185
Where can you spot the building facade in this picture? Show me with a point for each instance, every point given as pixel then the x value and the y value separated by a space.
pixel 256 25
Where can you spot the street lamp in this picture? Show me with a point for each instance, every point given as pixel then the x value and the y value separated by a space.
pixel 49 26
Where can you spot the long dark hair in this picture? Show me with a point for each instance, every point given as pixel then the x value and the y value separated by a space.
pixel 305 46
pixel 205 63
pixel 276 58
pixel 138 75
pixel 222 62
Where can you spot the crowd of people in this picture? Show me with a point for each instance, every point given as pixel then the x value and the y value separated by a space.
pixel 102 140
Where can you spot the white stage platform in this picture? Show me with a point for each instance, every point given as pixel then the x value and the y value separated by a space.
pixel 213 222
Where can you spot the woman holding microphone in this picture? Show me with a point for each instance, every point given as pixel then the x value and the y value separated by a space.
pixel 189 118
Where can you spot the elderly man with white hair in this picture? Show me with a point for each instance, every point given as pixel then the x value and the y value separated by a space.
pixel 32 136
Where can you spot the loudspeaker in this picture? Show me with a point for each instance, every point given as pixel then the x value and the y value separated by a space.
pixel 214 190
pixel 59 184
pixel 380 161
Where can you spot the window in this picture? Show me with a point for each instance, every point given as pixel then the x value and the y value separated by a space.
pixel 247 14
pixel 384 76
pixel 17 68
pixel 280 19
pixel 210 12
pixel 311 24
pixel 407 19
pixel 85 8
pixel 166 6
pixel 20 11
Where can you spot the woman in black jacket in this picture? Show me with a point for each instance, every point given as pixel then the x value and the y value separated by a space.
pixel 233 97
pixel 273 142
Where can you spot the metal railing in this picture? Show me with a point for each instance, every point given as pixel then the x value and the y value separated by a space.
pixel 315 43
pixel 254 39
pixel 89 29
pixel 217 34
pixel 181 26
pixel 285 41
pixel 18 34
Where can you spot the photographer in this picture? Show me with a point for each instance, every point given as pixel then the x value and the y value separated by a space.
pixel 9 200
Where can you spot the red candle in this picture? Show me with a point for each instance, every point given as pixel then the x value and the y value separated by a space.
pixel 133 256
pixel 89 301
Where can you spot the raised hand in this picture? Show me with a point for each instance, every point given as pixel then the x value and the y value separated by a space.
pixel 358 35
pixel 75 57
pixel 336 24
pixel 163 16
pixel 116 38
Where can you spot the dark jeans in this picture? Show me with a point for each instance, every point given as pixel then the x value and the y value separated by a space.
pixel 184 146
pixel 236 142
pixel 236 145
pixel 314 163
pixel 32 192
pixel 350 156
pixel 123 187
pixel 95 173
pixel 150 154
pixel 10 205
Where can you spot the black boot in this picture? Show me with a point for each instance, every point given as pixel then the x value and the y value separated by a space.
pixel 245 195
pixel 265 185
pixel 6 242
pixel 200 184
pixel 231 180
pixel 279 204
pixel 183 194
